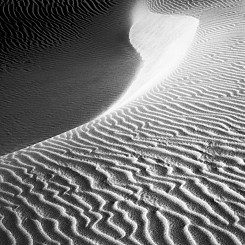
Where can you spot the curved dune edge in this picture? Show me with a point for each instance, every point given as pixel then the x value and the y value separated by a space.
pixel 162 42
pixel 48 90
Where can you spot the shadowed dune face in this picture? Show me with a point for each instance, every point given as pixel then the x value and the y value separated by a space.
pixel 31 25
pixel 62 64
pixel 167 168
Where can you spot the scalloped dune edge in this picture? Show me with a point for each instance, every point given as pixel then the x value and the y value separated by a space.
pixel 162 42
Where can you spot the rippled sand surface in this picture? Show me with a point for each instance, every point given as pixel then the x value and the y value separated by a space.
pixel 164 167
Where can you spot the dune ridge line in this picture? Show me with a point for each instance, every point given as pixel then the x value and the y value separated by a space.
pixel 162 42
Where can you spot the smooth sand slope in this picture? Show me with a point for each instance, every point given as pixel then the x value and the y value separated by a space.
pixel 165 168
pixel 58 64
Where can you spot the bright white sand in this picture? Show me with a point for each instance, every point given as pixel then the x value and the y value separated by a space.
pixel 162 42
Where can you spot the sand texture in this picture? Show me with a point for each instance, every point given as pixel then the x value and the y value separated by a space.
pixel 165 164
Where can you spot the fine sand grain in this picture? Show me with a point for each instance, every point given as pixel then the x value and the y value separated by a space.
pixel 166 167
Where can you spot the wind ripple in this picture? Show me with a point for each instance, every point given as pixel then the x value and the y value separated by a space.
pixel 167 168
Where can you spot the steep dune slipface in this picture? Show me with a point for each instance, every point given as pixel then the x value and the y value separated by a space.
pixel 58 63
pixel 167 168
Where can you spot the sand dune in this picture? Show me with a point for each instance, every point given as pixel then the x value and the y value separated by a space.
pixel 167 167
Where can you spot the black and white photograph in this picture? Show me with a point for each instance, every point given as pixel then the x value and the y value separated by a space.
pixel 122 122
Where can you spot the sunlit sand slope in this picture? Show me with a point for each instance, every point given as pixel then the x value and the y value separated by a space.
pixel 167 168
pixel 162 42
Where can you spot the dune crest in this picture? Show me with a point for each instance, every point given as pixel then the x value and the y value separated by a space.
pixel 162 42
